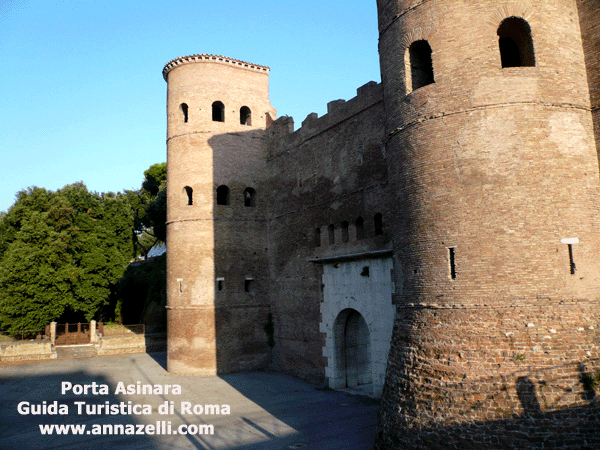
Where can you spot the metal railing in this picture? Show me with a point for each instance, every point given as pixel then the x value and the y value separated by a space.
pixel 23 335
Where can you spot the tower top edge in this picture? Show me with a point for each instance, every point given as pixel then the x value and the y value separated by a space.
pixel 203 57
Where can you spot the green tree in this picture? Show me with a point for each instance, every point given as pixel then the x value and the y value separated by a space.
pixel 141 293
pixel 151 209
pixel 61 253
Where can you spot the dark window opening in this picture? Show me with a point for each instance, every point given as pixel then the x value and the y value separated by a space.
pixel 421 65
pixel 245 116
pixel 345 236
pixel 365 272
pixel 218 112
pixel 184 111
pixel 220 283
pixel 190 195
pixel 451 259
pixel 331 230
pixel 378 223
pixel 317 237
pixel 249 197
pixel 516 43
pixel 223 195
pixel 360 228
pixel 571 260
pixel 249 285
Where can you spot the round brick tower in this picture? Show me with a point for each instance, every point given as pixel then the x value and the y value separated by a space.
pixel 492 158
pixel 217 111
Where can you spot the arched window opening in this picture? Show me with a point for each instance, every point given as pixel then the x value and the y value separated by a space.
pixel 331 230
pixel 378 224
pixel 190 195
pixel 345 237
pixel 184 111
pixel 249 197
pixel 245 116
pixel 420 65
pixel 218 112
pixel 223 195
pixel 317 237
pixel 360 228
pixel 516 43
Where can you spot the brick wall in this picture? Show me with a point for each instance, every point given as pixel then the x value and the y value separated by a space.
pixel 487 181
pixel 329 171
pixel 217 281
pixel 495 177
pixel 589 15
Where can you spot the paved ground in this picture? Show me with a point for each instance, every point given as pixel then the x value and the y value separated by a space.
pixel 268 411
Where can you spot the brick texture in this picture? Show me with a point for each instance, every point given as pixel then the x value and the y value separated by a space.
pixel 216 327
pixel 487 183
pixel 499 164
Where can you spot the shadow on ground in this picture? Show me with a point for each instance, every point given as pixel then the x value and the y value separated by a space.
pixel 267 411
pixel 318 418
pixel 39 396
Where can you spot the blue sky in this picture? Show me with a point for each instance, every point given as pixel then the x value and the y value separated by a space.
pixel 82 96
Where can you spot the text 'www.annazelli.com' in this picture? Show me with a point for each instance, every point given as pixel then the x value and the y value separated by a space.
pixel 161 427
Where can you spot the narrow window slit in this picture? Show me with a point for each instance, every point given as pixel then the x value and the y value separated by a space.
pixel 331 231
pixel 378 223
pixel 360 228
pixel 452 261
pixel 190 195
pixel 249 197
pixel 184 111
pixel 345 234
pixel 571 260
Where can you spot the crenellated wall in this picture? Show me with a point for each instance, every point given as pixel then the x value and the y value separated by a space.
pixel 436 236
pixel 330 171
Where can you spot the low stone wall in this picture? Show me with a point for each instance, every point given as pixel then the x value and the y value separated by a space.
pixel 35 350
pixel 26 351
pixel 121 344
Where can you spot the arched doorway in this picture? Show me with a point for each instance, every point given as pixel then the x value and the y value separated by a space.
pixel 353 349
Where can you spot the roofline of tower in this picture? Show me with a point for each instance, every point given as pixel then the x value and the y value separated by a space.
pixel 203 57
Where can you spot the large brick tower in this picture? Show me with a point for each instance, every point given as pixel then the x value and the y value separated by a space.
pixel 217 111
pixel 493 162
